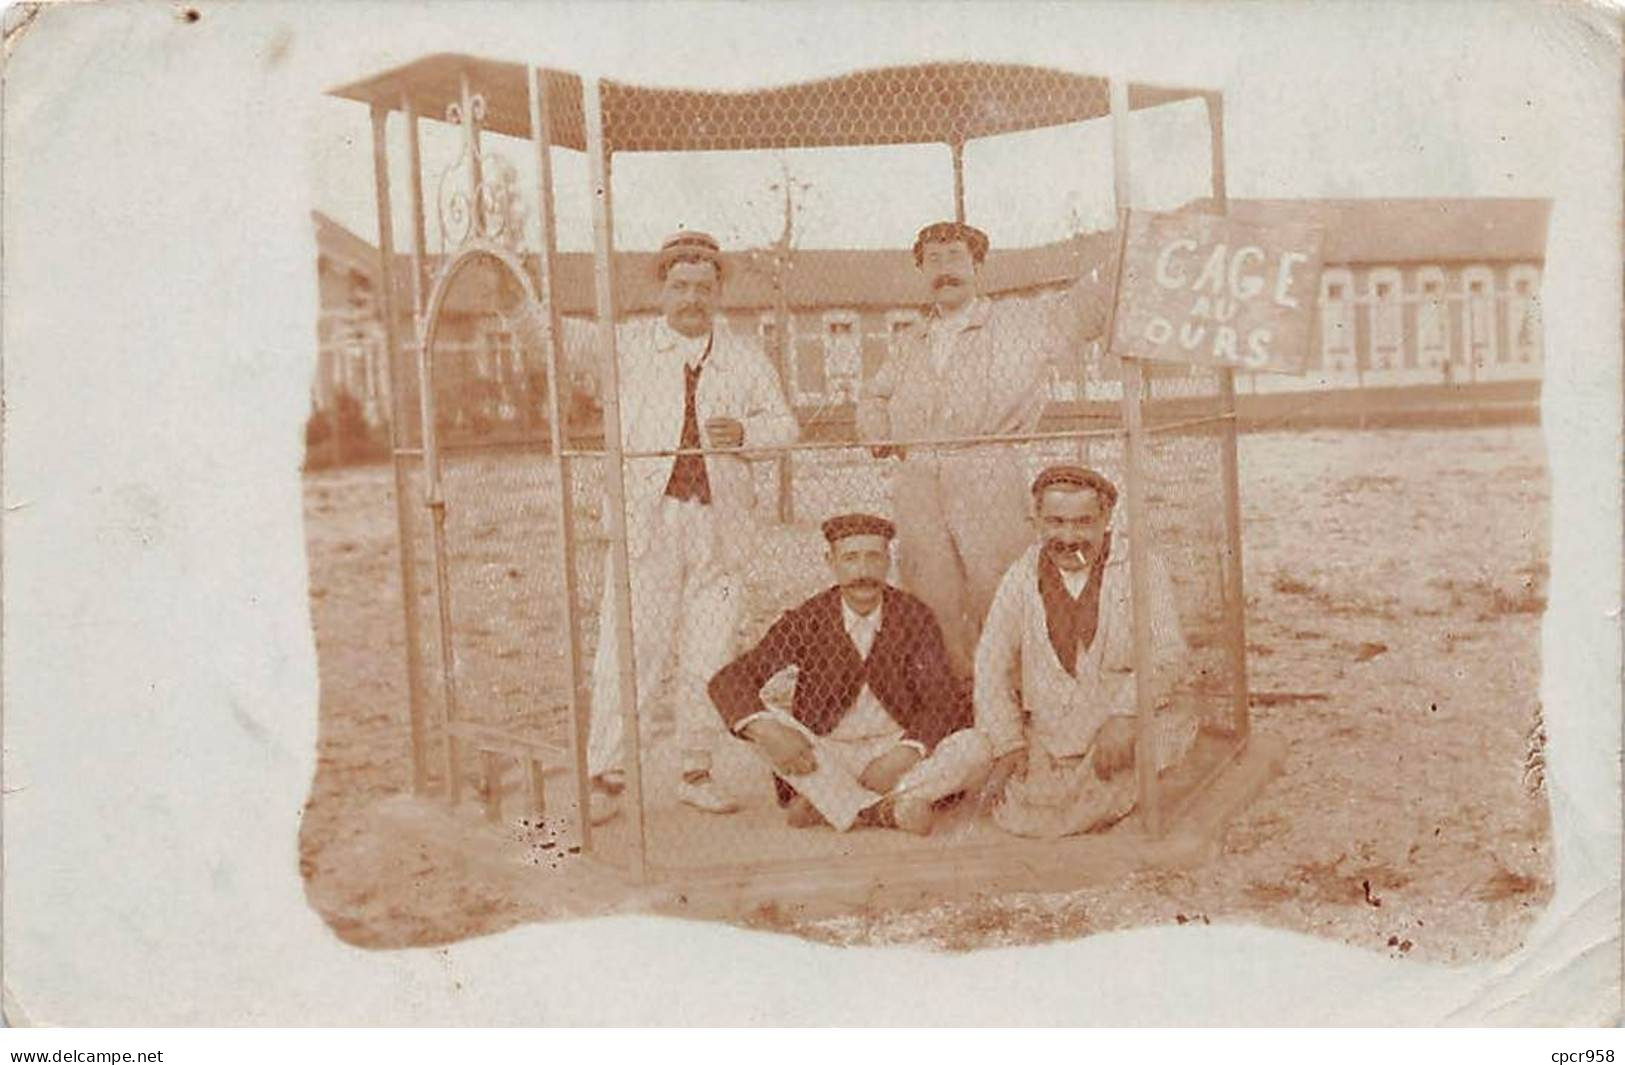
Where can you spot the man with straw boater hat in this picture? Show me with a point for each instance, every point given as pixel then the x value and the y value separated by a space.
pixel 971 368
pixel 862 740
pixel 1055 683
pixel 686 384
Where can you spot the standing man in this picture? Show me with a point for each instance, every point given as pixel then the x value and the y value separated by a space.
pixel 873 695
pixel 686 384
pixel 970 368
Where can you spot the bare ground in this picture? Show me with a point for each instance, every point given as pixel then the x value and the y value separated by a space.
pixel 1396 582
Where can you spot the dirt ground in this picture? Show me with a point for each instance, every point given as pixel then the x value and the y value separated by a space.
pixel 1395 586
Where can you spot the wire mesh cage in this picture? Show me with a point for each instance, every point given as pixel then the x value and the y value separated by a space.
pixel 734 554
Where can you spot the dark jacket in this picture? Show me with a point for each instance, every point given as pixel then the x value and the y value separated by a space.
pixel 907 669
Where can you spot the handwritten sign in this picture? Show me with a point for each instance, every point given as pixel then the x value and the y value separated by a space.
pixel 1201 288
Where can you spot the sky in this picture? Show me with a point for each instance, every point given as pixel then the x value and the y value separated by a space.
pixel 1426 99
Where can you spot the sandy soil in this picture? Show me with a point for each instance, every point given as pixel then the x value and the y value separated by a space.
pixel 1395 585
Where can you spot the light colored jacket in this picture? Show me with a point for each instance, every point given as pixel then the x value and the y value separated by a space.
pixel 738 382
pixel 996 378
pixel 1016 666
pixel 994 381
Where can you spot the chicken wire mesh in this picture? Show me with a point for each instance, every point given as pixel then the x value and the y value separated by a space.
pixel 931 406
pixel 739 611
pixel 788 630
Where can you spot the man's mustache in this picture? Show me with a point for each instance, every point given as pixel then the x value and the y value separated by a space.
pixel 863 584
pixel 944 280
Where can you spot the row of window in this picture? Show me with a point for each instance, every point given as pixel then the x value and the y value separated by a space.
pixel 833 370
pixel 1475 308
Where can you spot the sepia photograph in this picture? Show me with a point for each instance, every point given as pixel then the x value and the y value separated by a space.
pixel 1072 546
pixel 838 514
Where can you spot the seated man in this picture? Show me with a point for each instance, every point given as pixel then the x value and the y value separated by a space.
pixel 873 695
pixel 1054 680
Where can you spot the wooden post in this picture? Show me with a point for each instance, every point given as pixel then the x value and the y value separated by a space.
pixel 1359 363
pixel 414 155
pixel 785 475
pixel 541 132
pixel 603 220
pixel 786 489
pixel 397 433
pixel 1150 798
pixel 1472 358
pixel 538 793
pixel 435 502
pixel 957 147
pixel 1235 592
pixel 491 770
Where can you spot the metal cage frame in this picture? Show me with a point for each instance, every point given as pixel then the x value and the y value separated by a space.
pixel 602 118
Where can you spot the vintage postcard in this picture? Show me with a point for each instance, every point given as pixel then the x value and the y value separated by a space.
pixel 501 496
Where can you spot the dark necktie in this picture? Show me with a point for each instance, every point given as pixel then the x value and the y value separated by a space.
pixel 689 479
pixel 1071 622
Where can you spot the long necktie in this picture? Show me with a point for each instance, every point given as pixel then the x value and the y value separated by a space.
pixel 689 479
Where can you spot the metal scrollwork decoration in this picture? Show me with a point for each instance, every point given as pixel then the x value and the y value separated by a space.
pixel 477 194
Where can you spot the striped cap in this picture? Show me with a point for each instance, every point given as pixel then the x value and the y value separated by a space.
pixel 843 525
pixel 1076 477
pixel 688 246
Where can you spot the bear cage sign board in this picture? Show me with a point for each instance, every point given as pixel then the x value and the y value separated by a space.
pixel 1204 289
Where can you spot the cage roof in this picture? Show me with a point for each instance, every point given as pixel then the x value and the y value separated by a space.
pixel 922 104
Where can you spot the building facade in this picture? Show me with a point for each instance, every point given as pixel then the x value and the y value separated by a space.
pixel 1414 292
pixel 350 344
pixel 1418 292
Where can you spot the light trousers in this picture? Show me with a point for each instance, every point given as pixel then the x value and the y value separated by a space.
pixel 961 760
pixel 961 521
pixel 686 605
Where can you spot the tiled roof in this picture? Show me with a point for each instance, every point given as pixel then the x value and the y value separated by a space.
pixel 343 246
pixel 1414 230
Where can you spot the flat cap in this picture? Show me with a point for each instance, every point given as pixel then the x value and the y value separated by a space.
pixel 688 246
pixel 947 233
pixel 844 525
pixel 1077 477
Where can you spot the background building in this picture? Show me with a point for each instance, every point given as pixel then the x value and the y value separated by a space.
pixel 1423 302
pixel 1420 291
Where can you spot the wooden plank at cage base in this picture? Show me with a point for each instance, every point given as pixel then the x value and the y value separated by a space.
pixel 1204 801
pixel 496 747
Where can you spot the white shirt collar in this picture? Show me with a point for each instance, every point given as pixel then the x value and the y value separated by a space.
pixel 861 627
pixel 972 312
pixel 669 339
pixel 955 320
pixel 1074 580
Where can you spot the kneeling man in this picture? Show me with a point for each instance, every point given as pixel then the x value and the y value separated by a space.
pixel 873 696
pixel 1055 685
